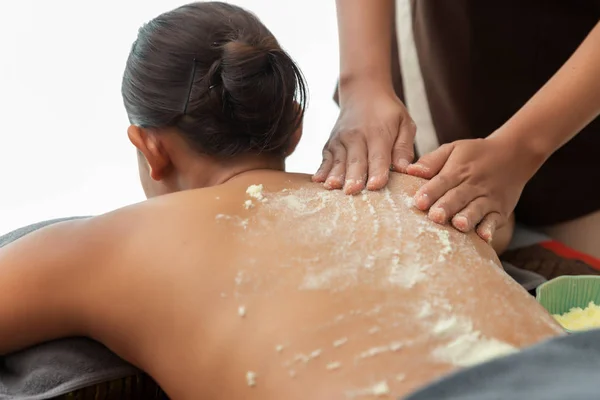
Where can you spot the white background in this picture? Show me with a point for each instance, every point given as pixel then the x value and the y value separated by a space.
pixel 63 143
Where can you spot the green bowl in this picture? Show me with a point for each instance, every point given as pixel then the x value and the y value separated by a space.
pixel 561 294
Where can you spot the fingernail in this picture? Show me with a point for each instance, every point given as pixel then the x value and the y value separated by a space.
pixel 489 233
pixel 437 214
pixel 419 167
pixel 328 183
pixel 402 164
pixel 320 176
pixel 460 222
pixel 349 183
pixel 422 201
pixel 333 182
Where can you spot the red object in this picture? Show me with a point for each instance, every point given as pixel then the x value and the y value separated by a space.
pixel 566 252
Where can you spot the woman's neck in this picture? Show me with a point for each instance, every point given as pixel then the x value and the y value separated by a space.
pixel 216 172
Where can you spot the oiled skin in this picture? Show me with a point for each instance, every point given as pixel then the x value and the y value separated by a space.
pixel 160 283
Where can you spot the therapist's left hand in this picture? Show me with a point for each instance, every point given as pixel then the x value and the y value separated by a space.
pixel 473 183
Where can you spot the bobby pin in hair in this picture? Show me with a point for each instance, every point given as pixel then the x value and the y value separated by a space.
pixel 189 93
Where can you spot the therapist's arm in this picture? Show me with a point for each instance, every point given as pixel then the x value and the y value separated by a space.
pixel 473 180
pixel 365 34
pixel 374 129
pixel 561 108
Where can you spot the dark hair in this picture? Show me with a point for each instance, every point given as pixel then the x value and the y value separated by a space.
pixel 215 72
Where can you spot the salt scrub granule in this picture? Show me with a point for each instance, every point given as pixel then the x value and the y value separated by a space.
pixel 242 311
pixel 333 365
pixel 374 330
pixel 241 222
pixel 251 378
pixel 425 311
pixel 451 326
pixel 302 358
pixel 255 191
pixel 239 278
pixel 395 346
pixel 381 389
pixel 248 204
pixel 374 351
pixel 316 353
pixel 471 349
pixel 408 200
pixel 578 319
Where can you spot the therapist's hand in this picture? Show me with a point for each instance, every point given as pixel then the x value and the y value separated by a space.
pixel 474 183
pixel 373 133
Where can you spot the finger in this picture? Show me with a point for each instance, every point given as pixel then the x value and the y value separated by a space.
pixel 335 178
pixel 489 225
pixel 433 190
pixel 380 158
pixel 452 201
pixel 403 151
pixel 431 164
pixel 325 167
pixel 471 215
pixel 356 165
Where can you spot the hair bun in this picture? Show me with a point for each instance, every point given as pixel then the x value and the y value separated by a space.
pixel 258 86
pixel 242 57
pixel 242 68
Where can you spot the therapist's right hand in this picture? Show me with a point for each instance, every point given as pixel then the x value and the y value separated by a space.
pixel 373 134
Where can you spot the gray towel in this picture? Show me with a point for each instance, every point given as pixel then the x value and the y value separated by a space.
pixel 565 368
pixel 58 367
pixel 528 279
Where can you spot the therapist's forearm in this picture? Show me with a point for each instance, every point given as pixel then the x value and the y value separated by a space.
pixel 365 35
pixel 562 107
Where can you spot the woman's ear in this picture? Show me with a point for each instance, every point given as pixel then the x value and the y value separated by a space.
pixel 150 147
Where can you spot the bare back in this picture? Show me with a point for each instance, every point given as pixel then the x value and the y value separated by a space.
pixel 290 291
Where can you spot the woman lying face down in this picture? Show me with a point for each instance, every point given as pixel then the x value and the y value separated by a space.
pixel 239 280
